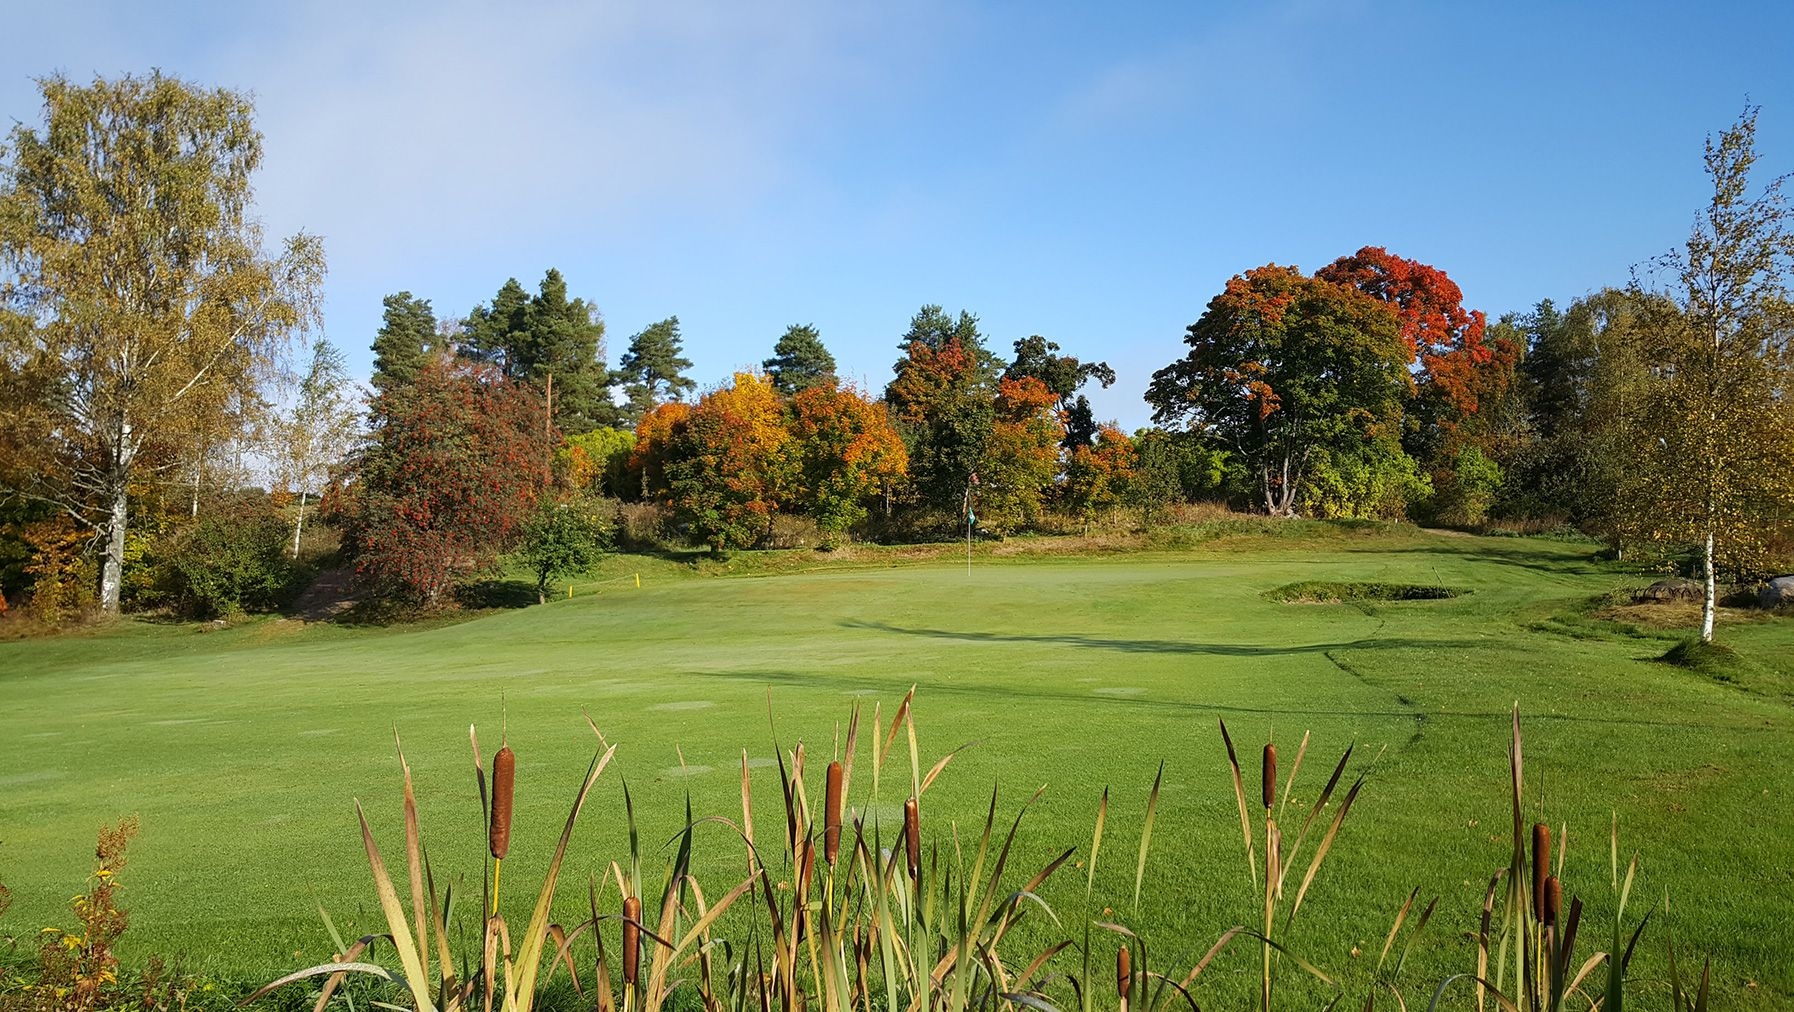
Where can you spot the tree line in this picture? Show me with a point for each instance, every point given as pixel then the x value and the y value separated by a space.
pixel 157 421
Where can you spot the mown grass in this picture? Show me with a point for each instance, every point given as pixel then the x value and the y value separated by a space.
pixel 241 749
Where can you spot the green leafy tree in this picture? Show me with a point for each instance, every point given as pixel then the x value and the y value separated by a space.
pixel 799 361
pixel 1710 461
pixel 597 462
pixel 134 287
pixel 1281 366
pixel 1365 479
pixel 404 342
pixel 232 559
pixel 653 369
pixel 1153 485
pixel 1583 384
pixel 563 538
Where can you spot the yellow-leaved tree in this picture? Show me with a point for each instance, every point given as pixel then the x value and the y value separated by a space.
pixel 136 296
pixel 1712 445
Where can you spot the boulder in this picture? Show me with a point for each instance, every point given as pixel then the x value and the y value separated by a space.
pixel 1676 588
pixel 1777 593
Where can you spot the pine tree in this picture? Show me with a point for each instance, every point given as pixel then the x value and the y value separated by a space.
pixel 653 369
pixel 407 334
pixel 500 334
pixel 799 361
pixel 567 342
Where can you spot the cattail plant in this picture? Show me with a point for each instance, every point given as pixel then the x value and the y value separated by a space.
pixel 831 818
pixel 1279 859
pixel 498 830
pixel 912 839
pixel 1124 975
pixel 1541 866
pixel 632 939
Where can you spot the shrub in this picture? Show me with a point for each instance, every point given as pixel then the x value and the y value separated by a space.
pixel 1377 481
pixel 229 561
pixel 560 538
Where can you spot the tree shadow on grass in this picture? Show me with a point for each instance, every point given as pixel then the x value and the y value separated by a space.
pixel 1034 690
pixel 1133 646
pixel 1553 560
pixel 497 594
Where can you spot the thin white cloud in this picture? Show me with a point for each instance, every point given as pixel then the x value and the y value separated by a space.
pixel 387 131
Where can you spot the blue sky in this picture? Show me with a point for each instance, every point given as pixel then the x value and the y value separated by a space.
pixel 1091 173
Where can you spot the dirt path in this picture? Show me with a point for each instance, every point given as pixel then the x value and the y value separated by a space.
pixel 328 596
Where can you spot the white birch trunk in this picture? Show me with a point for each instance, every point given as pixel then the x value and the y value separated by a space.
pixel 1708 604
pixel 112 568
pixel 299 524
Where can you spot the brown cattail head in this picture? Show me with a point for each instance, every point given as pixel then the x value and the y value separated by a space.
pixel 1270 782
pixel 632 937
pixel 1554 899
pixel 1124 972
pixel 504 781
pixel 831 816
pixel 809 870
pixel 912 838
pixel 1541 866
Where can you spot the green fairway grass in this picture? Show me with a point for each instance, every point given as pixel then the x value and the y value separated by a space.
pixel 242 749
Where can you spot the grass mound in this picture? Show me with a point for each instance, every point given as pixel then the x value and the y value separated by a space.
pixel 1345 592
pixel 1707 658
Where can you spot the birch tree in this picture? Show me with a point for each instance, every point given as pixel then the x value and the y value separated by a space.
pixel 317 431
pixel 133 285
pixel 1716 439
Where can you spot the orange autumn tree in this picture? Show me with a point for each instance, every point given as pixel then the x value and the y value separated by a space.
pixel 1020 456
pixel 1097 475
pixel 847 452
pixel 654 434
pixel 1298 378
pixel 731 463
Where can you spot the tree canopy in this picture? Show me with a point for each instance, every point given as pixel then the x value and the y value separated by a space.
pixel 1282 365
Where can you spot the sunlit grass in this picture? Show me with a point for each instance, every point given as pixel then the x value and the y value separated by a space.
pixel 242 749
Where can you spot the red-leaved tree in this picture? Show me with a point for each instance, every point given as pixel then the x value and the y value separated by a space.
pixel 1462 371
pixel 451 468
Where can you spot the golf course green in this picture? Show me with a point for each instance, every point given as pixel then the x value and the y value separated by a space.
pixel 243 749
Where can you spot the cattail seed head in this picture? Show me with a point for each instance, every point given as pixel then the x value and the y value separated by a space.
pixel 809 870
pixel 1124 972
pixel 504 781
pixel 1541 866
pixel 1270 781
pixel 912 838
pixel 831 816
pixel 1554 899
pixel 632 937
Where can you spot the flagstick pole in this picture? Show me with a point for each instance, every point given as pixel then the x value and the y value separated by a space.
pixel 968 505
